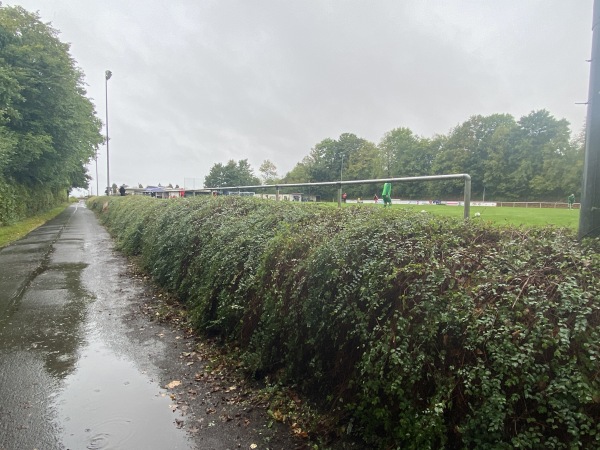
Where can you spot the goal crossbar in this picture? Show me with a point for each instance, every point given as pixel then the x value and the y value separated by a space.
pixel 340 184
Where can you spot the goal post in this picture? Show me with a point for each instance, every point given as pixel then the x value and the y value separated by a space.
pixel 339 184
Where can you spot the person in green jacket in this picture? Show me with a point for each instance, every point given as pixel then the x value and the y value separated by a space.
pixel 571 200
pixel 386 194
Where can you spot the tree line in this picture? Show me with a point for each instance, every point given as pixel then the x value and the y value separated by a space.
pixel 49 131
pixel 534 157
pixel 48 127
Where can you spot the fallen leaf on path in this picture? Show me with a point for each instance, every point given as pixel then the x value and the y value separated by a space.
pixel 277 415
pixel 173 384
pixel 298 431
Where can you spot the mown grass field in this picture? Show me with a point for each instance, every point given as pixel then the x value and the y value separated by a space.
pixel 517 216
pixel 528 217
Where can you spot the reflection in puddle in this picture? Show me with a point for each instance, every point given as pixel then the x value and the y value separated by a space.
pixel 47 318
pixel 107 403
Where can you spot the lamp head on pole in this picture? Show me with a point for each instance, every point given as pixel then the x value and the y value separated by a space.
pixel 108 74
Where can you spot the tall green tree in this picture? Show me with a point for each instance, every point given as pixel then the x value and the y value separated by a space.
pixel 364 164
pixel 405 154
pixel 562 169
pixel 300 173
pixel 48 127
pixel 538 138
pixel 466 150
pixel 231 174
pixel 497 168
pixel 534 157
pixel 330 159
pixel 268 172
pixel 573 166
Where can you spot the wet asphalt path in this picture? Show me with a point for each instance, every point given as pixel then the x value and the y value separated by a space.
pixel 71 375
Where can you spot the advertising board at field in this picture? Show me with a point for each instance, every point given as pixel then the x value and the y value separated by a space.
pixel 396 201
pixel 482 203
pixel 443 202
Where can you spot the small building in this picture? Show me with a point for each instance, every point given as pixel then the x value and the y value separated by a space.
pixel 156 191
pixel 129 190
pixel 163 192
pixel 196 192
pixel 293 197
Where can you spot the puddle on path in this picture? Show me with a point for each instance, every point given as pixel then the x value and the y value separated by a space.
pixel 69 376
pixel 107 403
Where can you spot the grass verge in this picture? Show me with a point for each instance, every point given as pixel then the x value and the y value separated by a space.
pixel 20 229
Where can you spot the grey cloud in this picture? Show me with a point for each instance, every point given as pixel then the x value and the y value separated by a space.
pixel 197 83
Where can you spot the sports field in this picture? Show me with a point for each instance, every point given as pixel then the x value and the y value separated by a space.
pixel 529 217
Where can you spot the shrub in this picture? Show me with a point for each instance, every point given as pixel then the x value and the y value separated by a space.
pixel 18 201
pixel 8 203
pixel 418 332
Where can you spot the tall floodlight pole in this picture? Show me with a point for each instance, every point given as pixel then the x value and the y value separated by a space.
pixel 107 76
pixel 589 217
pixel 97 191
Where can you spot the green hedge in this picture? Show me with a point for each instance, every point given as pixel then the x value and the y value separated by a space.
pixel 18 202
pixel 8 203
pixel 419 332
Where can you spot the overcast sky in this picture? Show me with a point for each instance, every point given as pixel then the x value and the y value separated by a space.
pixel 197 82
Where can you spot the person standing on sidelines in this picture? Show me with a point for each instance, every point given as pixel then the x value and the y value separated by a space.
pixel 571 200
pixel 386 194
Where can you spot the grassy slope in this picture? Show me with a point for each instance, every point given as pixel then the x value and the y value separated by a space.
pixel 18 230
